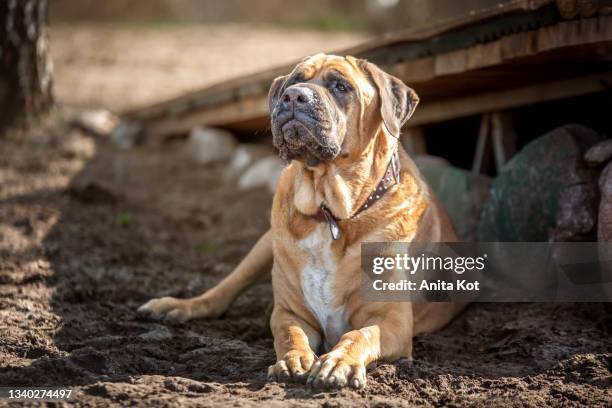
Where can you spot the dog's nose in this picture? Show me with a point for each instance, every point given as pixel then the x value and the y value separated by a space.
pixel 299 95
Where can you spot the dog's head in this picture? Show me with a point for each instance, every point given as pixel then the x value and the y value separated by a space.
pixel 331 106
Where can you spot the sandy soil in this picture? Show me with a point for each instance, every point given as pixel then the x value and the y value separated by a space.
pixel 120 67
pixel 87 233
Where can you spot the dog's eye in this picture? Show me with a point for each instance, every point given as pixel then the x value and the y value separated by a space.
pixel 339 87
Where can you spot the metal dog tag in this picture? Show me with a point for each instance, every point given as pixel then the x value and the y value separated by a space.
pixel 395 166
pixel 334 229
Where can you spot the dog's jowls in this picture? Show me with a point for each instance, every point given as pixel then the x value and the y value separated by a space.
pixel 336 120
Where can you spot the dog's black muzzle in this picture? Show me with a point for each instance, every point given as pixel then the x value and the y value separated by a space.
pixel 302 127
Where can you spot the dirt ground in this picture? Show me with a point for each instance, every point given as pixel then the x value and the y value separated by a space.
pixel 88 233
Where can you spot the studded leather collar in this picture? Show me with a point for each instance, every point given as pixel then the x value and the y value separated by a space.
pixel 389 179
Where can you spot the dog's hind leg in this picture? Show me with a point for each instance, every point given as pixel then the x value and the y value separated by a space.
pixel 216 300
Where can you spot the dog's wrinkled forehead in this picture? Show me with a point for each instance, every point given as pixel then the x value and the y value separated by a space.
pixel 322 67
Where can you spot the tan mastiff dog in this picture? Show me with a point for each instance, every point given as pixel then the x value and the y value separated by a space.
pixel 337 120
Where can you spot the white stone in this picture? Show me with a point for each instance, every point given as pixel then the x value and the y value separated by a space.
pixel 210 145
pixel 264 172
pixel 100 122
pixel 244 156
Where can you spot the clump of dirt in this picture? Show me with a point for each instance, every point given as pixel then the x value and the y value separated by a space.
pixel 88 233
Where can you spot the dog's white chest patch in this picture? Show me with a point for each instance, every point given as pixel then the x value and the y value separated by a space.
pixel 317 279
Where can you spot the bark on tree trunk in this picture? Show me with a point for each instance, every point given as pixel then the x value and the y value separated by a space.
pixel 25 62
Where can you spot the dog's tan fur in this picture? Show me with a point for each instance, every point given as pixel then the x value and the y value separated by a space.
pixel 297 243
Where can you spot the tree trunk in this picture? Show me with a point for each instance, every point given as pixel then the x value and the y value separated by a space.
pixel 25 62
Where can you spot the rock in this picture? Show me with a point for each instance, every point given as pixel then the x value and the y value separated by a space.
pixel 577 213
pixel 426 161
pixel 98 122
pixel 544 192
pixel 461 193
pixel 210 145
pixel 264 172
pixel 600 153
pixel 604 222
pixel 604 227
pixel 125 134
pixel 244 156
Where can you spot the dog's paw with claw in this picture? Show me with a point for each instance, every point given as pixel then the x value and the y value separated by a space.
pixel 337 370
pixel 294 366
pixel 167 308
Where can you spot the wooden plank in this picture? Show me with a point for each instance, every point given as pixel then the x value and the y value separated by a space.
pixel 484 55
pixel 481 153
pixel 428 112
pixel 559 36
pixel 466 105
pixel 503 138
pixel 238 111
pixel 450 63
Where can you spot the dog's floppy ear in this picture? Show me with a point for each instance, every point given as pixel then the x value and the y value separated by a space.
pixel 276 89
pixel 397 100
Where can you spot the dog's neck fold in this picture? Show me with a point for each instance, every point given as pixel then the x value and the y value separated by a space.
pixel 343 185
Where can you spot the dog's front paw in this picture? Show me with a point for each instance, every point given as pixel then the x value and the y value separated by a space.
pixel 294 365
pixel 167 308
pixel 335 370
